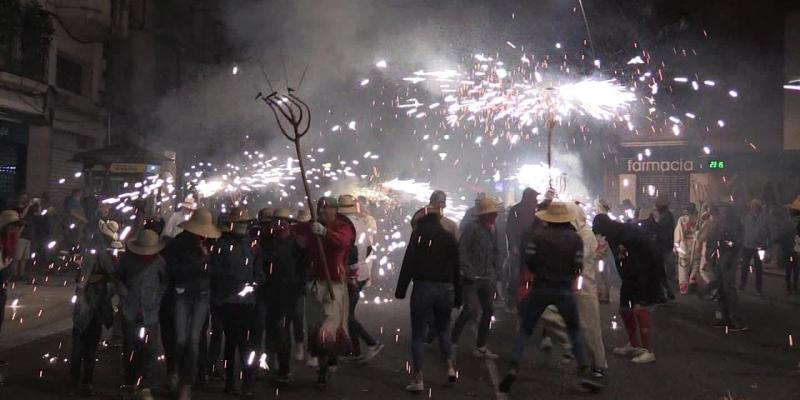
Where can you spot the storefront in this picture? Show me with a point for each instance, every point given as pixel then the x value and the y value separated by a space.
pixel 644 174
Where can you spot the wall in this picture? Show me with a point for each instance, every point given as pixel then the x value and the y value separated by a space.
pixel 791 106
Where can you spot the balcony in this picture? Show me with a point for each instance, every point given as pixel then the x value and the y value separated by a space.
pixel 87 19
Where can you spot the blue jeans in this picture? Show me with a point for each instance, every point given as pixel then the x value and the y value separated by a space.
pixel 191 312
pixel 532 306
pixel 431 301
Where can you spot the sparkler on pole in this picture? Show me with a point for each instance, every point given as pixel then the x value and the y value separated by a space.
pixel 296 113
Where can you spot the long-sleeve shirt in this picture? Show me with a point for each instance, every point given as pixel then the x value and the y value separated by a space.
pixel 431 256
pixel 187 259
pixel 233 266
pixel 142 282
pixel 339 236
pixel 479 253
pixel 755 230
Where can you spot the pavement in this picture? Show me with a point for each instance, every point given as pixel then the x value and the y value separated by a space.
pixel 695 360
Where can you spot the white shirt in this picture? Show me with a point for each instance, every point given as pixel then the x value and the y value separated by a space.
pixel 171 229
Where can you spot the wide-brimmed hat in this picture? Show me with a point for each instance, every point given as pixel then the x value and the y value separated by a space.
pixel 487 206
pixel 146 243
pixel 188 203
pixel 109 228
pixel 237 215
pixel 303 215
pixel 601 206
pixel 202 224
pixel 265 214
pixel 557 213
pixel 283 214
pixel 9 217
pixel 795 205
pixel 347 204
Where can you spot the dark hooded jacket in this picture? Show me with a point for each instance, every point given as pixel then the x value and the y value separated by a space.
pixel 554 252
pixel 187 258
pixel 233 266
pixel 431 256
pixel 634 249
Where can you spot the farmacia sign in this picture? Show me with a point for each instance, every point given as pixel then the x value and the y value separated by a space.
pixel 661 166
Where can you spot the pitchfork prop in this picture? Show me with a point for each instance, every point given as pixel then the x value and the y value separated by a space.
pixel 294 118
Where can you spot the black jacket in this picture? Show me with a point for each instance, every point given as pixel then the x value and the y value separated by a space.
pixel 554 252
pixel 634 248
pixel 283 263
pixel 187 263
pixel 233 266
pixel 431 256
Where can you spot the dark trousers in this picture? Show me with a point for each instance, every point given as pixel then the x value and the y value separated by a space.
pixel 191 312
pixel 166 320
pixel 3 299
pixel 357 331
pixel 532 306
pixel 281 311
pixel 84 351
pixel 431 301
pixel 788 261
pixel 725 269
pixel 141 348
pixel 513 280
pixel 478 296
pixel 297 321
pixel 670 281
pixel 211 342
pixel 237 320
pixel 747 256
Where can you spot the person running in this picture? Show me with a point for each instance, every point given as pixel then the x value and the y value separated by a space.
pixel 141 282
pixel 641 269
pixel 326 300
pixel 479 260
pixel 284 262
pixel 554 254
pixel 753 243
pixel 431 262
pixel 187 259
pixel 234 275
pixel 358 275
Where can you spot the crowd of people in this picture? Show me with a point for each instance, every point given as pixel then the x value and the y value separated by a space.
pixel 221 299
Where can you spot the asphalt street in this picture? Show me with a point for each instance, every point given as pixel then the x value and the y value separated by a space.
pixel 694 360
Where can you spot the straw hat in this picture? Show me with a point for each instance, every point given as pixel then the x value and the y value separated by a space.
pixel 795 205
pixel 265 214
pixel 8 217
pixel 328 202
pixel 347 204
pixel 303 215
pixel 283 214
pixel 110 229
pixel 188 203
pixel 557 213
pixel 487 206
pixel 237 215
pixel 146 243
pixel 202 224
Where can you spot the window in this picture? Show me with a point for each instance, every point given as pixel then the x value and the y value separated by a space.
pixel 69 75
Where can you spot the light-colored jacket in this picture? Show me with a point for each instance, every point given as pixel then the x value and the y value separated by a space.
pixel 171 229
pixel 686 233
pixel 589 272
pixel 365 230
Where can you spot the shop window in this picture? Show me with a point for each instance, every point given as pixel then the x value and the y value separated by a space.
pixel 69 75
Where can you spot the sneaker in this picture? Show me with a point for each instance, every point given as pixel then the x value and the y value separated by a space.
pixel 313 362
pixel 452 375
pixel 566 359
pixel 546 344
pixel 737 328
pixel 300 353
pixel 644 358
pixel 416 386
pixel 484 352
pixel 626 350
pixel 505 384
pixel 594 380
pixel 372 351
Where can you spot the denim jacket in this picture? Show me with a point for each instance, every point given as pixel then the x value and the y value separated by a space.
pixel 142 283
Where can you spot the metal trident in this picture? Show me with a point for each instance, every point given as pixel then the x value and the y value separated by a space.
pixel 290 110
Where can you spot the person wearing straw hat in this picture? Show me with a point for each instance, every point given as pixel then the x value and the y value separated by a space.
pixel 187 259
pixel 754 242
pixel 93 309
pixel 471 215
pixel 327 317
pixel 641 269
pixel 10 227
pixel 185 210
pixel 283 262
pixel 586 299
pixel 554 254
pixel 358 275
pixel 141 281
pixel 234 276
pixel 479 258
pixel 431 262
